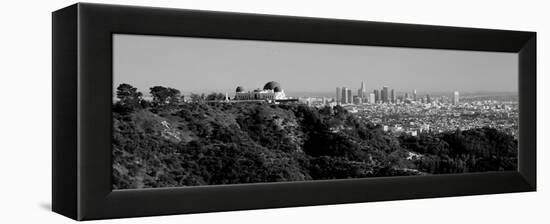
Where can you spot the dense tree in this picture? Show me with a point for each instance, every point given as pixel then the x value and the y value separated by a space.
pixel 215 97
pixel 128 94
pixel 164 96
pixel 475 150
pixel 128 98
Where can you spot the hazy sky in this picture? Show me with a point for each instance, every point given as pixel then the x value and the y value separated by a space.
pixel 206 65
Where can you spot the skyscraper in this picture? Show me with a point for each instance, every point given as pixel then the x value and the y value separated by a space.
pixel 349 96
pixel 392 96
pixel 455 98
pixel 372 98
pixel 362 91
pixel 338 96
pixel 385 95
pixel 376 96
pixel 344 96
pixel 414 95
pixel 428 99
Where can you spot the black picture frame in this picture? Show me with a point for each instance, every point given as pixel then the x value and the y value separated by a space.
pixel 82 100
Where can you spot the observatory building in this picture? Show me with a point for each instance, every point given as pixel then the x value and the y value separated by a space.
pixel 272 91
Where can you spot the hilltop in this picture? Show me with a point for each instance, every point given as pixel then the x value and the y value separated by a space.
pixel 221 143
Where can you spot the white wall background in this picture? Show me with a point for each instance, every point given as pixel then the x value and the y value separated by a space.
pixel 25 112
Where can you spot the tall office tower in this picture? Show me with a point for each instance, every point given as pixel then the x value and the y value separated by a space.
pixel 385 94
pixel 372 98
pixel 428 99
pixel 406 96
pixel 376 96
pixel 349 96
pixel 414 95
pixel 338 97
pixel 344 99
pixel 362 91
pixel 455 98
pixel 392 96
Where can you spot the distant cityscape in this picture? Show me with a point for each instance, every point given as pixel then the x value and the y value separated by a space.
pixel 413 114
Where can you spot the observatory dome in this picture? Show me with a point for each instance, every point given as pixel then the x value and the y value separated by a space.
pixel 272 85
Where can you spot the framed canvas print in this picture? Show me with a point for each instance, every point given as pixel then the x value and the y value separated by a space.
pixel 168 111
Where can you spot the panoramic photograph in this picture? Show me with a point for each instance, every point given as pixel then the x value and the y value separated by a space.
pixel 202 111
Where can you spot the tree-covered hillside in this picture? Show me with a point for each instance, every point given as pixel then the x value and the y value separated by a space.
pixel 166 143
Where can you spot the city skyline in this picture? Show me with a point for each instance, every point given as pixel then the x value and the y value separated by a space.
pixel 384 95
pixel 146 61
